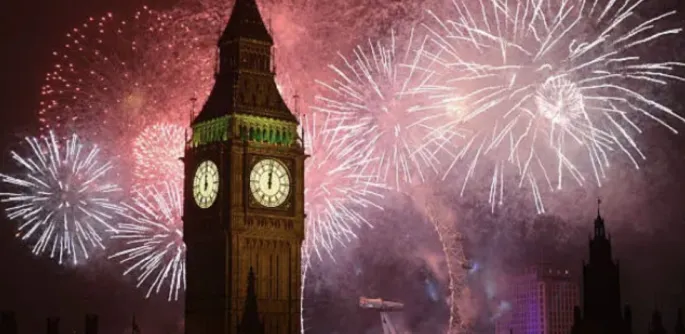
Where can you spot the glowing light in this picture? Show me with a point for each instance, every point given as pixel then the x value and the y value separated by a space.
pixel 549 91
pixel 152 236
pixel 64 202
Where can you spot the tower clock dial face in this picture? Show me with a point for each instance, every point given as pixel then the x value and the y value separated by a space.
pixel 270 182
pixel 206 184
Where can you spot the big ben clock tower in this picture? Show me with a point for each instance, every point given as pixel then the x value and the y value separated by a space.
pixel 244 192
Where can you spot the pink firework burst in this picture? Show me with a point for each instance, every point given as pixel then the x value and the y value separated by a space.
pixel 157 152
pixel 114 76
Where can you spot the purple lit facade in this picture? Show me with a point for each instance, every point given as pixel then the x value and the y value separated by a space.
pixel 542 301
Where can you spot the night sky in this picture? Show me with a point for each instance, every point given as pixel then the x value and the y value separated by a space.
pixel 34 287
pixel 643 209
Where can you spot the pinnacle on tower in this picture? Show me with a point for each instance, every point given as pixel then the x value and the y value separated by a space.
pixel 599 221
pixel 246 22
pixel 250 323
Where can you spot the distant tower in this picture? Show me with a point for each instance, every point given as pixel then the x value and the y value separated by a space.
pixel 91 324
pixel 8 323
pixel 53 326
pixel 601 285
pixel 680 323
pixel 601 288
pixel 656 325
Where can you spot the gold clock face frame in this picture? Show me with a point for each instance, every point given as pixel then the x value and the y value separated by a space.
pixel 270 182
pixel 206 184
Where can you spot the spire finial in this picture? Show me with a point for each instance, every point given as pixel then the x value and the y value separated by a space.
pixel 599 205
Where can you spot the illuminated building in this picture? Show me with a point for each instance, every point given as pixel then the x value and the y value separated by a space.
pixel 542 301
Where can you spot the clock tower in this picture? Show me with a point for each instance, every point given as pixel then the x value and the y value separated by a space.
pixel 244 192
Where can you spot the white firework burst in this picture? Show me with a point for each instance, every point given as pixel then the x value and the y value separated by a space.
pixel 336 188
pixel 375 98
pixel 549 89
pixel 152 237
pixel 64 202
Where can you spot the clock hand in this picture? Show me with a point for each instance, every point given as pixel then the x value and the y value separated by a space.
pixel 270 176
pixel 206 184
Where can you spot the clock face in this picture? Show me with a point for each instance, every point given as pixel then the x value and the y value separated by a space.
pixel 270 182
pixel 206 184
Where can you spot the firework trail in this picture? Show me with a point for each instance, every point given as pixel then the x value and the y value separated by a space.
pixel 549 89
pixel 115 76
pixel 64 202
pixel 374 98
pixel 153 239
pixel 336 189
pixel 157 151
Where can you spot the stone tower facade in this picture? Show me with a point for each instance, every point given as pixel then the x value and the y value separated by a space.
pixel 243 191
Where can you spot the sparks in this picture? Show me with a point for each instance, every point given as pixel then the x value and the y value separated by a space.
pixel 336 189
pixel 63 202
pixel 549 89
pixel 375 98
pixel 114 76
pixel 157 151
pixel 152 237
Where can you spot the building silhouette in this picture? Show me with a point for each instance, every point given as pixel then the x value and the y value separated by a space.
pixel 244 192
pixel 656 324
pixel 601 289
pixel 542 298
pixel 8 323
pixel 53 325
pixel 680 323
pixel 91 326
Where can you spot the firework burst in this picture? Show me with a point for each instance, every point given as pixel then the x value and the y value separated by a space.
pixel 375 98
pixel 336 189
pixel 64 202
pixel 153 239
pixel 115 76
pixel 157 151
pixel 549 89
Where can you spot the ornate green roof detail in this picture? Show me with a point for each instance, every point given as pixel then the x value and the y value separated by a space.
pixel 211 131
pixel 244 127
pixel 265 130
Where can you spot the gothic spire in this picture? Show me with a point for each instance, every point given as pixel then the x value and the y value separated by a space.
pixel 599 221
pixel 246 22
pixel 250 323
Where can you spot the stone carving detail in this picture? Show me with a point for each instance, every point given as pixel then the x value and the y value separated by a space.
pixel 269 223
